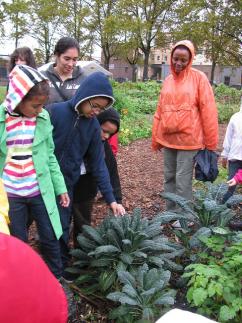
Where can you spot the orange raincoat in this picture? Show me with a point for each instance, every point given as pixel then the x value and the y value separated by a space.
pixel 186 117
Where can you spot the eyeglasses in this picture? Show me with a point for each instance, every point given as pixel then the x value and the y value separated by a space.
pixel 97 107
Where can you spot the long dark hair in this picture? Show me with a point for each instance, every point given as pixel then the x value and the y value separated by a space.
pixel 26 54
pixel 64 44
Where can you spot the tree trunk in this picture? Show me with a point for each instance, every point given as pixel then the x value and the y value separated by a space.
pixel 134 72
pixel 146 65
pixel 106 62
pixel 212 71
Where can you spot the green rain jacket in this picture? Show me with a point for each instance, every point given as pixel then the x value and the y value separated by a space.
pixel 50 179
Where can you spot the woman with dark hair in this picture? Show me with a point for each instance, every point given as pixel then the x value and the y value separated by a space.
pixel 22 55
pixel 186 120
pixel 65 77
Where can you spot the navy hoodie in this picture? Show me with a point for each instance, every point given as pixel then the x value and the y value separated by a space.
pixel 74 135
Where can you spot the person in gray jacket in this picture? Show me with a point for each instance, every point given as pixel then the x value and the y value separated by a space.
pixel 65 77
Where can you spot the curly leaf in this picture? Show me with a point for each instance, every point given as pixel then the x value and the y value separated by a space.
pixel 126 278
pixel 92 233
pixel 115 296
pixel 104 249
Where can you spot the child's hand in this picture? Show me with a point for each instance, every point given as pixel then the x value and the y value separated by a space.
pixel 232 182
pixel 64 200
pixel 117 209
pixel 224 162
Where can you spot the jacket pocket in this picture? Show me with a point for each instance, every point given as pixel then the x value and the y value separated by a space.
pixel 177 119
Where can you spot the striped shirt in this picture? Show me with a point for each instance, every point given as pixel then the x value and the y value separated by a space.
pixel 19 175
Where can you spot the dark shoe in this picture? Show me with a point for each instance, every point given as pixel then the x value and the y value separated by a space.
pixel 236 225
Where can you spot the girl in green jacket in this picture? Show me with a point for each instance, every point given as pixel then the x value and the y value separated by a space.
pixel 30 172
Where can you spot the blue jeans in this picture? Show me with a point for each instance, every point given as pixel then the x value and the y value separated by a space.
pixel 233 166
pixel 19 210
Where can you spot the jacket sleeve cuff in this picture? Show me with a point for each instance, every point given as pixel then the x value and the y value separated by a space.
pixel 109 198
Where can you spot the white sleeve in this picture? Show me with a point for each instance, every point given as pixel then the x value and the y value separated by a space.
pixel 227 139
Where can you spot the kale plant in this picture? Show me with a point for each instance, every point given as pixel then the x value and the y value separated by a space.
pixel 144 295
pixel 206 212
pixel 121 243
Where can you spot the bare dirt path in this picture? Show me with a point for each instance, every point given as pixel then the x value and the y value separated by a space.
pixel 141 176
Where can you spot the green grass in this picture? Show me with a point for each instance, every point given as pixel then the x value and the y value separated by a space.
pixel 2 93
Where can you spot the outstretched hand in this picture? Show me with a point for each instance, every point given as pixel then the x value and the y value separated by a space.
pixel 232 182
pixel 117 209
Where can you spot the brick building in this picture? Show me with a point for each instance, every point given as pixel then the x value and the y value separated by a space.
pixel 159 68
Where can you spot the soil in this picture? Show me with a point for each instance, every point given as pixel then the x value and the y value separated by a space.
pixel 141 177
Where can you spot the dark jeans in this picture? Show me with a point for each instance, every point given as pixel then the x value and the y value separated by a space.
pixel 82 212
pixel 19 210
pixel 233 167
pixel 65 217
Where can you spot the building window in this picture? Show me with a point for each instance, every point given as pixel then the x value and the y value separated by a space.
pixel 158 58
pixel 126 69
pixel 226 80
pixel 152 57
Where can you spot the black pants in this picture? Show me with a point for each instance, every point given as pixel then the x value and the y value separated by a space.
pixel 82 212
pixel 234 166
pixel 84 193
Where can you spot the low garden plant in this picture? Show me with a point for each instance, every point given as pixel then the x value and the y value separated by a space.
pixel 206 213
pixel 121 243
pixel 145 294
pixel 129 259
pixel 214 282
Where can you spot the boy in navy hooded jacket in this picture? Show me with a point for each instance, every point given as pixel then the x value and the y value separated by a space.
pixel 77 133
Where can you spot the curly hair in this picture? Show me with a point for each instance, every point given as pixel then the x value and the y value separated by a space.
pixel 24 53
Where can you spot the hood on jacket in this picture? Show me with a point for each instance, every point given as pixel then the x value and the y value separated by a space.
pixel 78 70
pixel 189 45
pixel 21 80
pixel 109 115
pixel 94 85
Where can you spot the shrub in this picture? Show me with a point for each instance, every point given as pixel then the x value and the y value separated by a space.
pixel 227 95
pixel 215 282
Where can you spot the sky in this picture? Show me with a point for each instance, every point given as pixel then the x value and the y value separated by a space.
pixel 8 46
